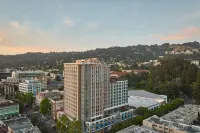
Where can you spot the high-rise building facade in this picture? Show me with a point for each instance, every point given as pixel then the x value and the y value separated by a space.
pixel 88 94
pixel 86 89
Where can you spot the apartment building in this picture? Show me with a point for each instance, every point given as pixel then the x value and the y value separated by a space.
pixel 8 89
pixel 32 86
pixel 88 95
pixel 118 94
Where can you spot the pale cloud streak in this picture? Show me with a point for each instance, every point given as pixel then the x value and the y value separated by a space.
pixel 187 33
pixel 68 22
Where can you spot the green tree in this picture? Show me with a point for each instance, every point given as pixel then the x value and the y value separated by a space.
pixel 64 125
pixel 45 106
pixel 141 110
pixel 29 98
pixel 196 88
pixel 75 127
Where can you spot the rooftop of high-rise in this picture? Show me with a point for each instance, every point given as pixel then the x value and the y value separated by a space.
pixel 88 61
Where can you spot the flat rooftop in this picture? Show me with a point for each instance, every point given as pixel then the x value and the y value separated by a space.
pixel 182 114
pixel 21 125
pixel 177 126
pixel 4 103
pixel 136 101
pixel 146 94
pixel 34 129
pixel 137 129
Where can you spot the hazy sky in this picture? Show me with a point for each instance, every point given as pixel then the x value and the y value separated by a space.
pixel 65 25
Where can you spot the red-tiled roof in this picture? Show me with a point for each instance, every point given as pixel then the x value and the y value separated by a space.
pixel 141 71
pixel 120 73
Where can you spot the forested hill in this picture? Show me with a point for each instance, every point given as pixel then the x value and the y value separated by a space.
pixel 127 55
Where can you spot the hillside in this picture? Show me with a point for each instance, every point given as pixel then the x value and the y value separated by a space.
pixel 127 55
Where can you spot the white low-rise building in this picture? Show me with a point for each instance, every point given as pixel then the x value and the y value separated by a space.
pixel 135 101
pixel 32 86
pixel 141 98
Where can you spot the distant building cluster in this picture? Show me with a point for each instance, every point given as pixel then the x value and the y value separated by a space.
pixel 186 52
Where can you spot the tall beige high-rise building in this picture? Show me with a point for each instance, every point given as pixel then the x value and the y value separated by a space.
pixel 86 89
pixel 93 97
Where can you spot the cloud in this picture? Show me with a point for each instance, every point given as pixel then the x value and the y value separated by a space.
pixel 68 22
pixel 92 26
pixel 187 33
pixel 14 24
pixel 16 37
pixel 172 37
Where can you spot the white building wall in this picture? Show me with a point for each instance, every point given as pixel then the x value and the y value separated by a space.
pixel 30 86
pixel 118 94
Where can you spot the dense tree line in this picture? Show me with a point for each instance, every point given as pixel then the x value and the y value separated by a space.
pixel 127 55
pixel 136 81
pixel 196 88
pixel 144 113
pixel 174 75
pixel 171 77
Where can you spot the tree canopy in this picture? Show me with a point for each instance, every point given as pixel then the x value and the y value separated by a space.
pixel 64 125
pixel 45 106
pixel 196 88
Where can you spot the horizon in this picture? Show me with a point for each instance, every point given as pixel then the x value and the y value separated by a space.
pixel 98 48
pixel 64 25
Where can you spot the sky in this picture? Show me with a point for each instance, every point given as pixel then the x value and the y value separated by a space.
pixel 79 25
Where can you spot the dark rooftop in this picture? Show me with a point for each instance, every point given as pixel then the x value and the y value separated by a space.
pixel 5 103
